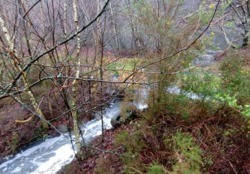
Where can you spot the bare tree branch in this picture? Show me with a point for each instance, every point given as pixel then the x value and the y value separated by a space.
pixel 185 48
pixel 31 8
pixel 54 47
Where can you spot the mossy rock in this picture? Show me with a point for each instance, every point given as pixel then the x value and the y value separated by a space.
pixel 127 112
pixel 115 122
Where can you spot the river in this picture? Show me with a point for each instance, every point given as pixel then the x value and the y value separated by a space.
pixel 50 155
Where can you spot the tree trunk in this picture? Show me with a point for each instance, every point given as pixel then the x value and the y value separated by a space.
pixel 17 65
pixel 117 44
pixel 74 84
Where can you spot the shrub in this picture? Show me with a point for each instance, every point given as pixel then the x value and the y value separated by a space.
pixel 133 145
pixel 236 79
pixel 132 142
pixel 202 83
pixel 230 88
pixel 187 154
pixel 156 169
pixel 127 110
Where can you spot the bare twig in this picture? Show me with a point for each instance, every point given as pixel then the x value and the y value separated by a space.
pixel 25 68
pixel 31 8
pixel 185 48
pixel 233 167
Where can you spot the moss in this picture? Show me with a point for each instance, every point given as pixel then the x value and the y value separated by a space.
pixel 127 111
pixel 13 142
pixel 188 155
pixel 156 169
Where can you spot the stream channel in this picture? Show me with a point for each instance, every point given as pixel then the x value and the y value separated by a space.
pixel 50 155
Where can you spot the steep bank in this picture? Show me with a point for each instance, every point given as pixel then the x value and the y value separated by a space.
pixel 177 136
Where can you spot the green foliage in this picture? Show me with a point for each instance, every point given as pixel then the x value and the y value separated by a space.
pixel 155 102
pixel 246 111
pixel 172 105
pixel 235 85
pixel 162 26
pixel 132 163
pixel 112 67
pixel 231 87
pixel 188 154
pixel 230 24
pixel 207 9
pixel 122 137
pixel 131 141
pixel 118 67
pixel 202 83
pixel 178 104
pixel 236 79
pixel 205 12
pixel 156 169
pixel 133 145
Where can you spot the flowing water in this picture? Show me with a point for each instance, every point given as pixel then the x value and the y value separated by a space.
pixel 50 155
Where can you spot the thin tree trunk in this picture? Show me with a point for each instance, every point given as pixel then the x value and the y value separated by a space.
pixel 117 45
pixel 22 11
pixel 65 9
pixel 133 27
pixel 16 62
pixel 74 84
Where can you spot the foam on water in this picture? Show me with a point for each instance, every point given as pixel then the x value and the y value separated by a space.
pixel 63 156
pixel 52 154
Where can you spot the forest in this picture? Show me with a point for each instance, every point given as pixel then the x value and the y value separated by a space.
pixel 124 86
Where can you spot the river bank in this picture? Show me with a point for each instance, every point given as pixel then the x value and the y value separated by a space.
pixel 20 129
pixel 96 156
pixel 14 135
pixel 135 148
pixel 219 139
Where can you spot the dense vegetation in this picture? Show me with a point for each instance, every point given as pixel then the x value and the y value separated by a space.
pixel 179 133
pixel 83 57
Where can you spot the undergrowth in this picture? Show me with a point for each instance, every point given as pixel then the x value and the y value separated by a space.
pixel 206 134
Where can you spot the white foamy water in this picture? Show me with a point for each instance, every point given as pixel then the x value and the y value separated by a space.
pixel 51 155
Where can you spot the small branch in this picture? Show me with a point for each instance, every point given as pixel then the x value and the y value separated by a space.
pixel 54 47
pixel 185 48
pixel 136 170
pixel 24 121
pixel 31 8
pixel 233 167
pixel 230 43
pixel 35 114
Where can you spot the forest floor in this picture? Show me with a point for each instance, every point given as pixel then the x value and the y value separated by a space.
pixel 225 154
pixel 19 128
pixel 14 135
pixel 106 155
pixel 107 149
